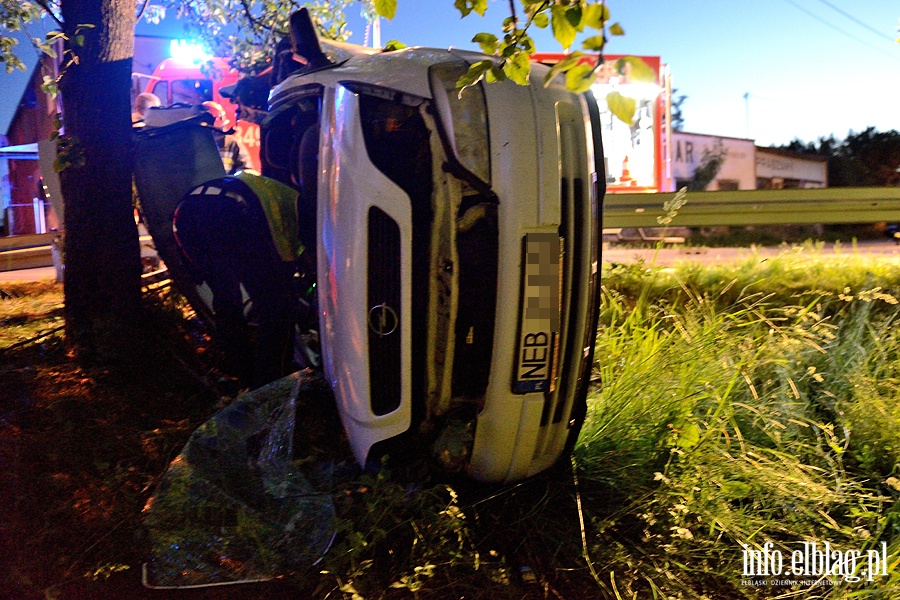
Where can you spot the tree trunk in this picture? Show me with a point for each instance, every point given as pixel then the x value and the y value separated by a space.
pixel 102 254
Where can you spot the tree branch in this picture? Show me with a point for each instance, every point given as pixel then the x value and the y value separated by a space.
pixel 141 12
pixel 46 6
pixel 254 21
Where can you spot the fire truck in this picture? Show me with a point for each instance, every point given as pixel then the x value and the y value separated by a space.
pixel 637 155
pixel 190 81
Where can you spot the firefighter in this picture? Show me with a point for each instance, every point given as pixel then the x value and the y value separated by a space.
pixel 240 235
pixel 142 104
pixel 235 157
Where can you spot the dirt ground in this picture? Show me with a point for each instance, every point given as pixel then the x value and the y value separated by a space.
pixel 83 449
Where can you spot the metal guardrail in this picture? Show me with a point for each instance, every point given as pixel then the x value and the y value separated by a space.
pixel 750 207
pixel 757 207
pixel 26 251
pixel 26 258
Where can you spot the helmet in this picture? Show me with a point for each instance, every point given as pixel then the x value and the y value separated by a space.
pixel 216 110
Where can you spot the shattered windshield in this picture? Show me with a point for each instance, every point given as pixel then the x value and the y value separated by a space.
pixel 241 503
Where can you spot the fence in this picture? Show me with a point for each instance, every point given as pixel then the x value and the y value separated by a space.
pixel 751 207
pixel 758 207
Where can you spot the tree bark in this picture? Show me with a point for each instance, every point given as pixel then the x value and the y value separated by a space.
pixel 102 254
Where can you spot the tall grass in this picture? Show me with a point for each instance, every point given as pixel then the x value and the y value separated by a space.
pixel 734 406
pixel 729 417
pixel 29 309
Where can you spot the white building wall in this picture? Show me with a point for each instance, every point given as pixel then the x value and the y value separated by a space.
pixel 739 165
pixel 777 167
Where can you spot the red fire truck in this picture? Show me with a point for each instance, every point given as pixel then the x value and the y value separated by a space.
pixel 194 82
pixel 637 155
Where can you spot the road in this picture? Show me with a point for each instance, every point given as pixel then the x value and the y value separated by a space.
pixel 28 274
pixel 881 249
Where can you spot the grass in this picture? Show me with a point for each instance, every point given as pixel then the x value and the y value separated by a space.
pixel 29 309
pixel 732 416
pixel 735 406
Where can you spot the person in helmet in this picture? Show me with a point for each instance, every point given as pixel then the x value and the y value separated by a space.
pixel 235 157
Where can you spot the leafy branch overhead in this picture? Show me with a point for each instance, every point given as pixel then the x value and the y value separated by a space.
pixel 567 19
pixel 259 25
pixel 13 16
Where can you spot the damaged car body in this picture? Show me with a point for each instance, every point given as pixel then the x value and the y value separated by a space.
pixel 457 240
pixel 456 244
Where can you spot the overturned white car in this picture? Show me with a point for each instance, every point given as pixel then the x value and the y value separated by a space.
pixel 457 246
pixel 458 253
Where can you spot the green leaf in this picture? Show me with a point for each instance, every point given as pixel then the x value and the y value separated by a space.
pixel 580 78
pixel 636 69
pixel 563 30
pixel 595 16
pixel 527 44
pixel 562 66
pixel 50 86
pixel 495 74
pixel 573 16
pixel 518 68
pixel 621 106
pixel 467 6
pixel 689 436
pixel 385 8
pixel 616 29
pixel 541 20
pixel 393 45
pixel 60 163
pixel 487 41
pixel 473 75
pixel 79 40
pixel 46 48
pixel 594 43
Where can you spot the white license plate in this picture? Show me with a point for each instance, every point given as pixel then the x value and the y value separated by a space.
pixel 539 317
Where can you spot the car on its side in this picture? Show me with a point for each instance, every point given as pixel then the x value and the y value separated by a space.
pixel 457 243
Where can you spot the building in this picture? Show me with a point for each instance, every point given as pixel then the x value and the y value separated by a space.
pixel 643 157
pixel 778 169
pixel 745 166
pixel 636 155
pixel 24 206
pixel 738 170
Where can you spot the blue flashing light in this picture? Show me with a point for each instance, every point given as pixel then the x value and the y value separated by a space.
pixel 187 52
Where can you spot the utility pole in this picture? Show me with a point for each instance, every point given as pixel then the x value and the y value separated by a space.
pixel 747 111
pixel 373 27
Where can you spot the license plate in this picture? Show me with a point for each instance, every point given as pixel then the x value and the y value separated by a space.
pixel 539 314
